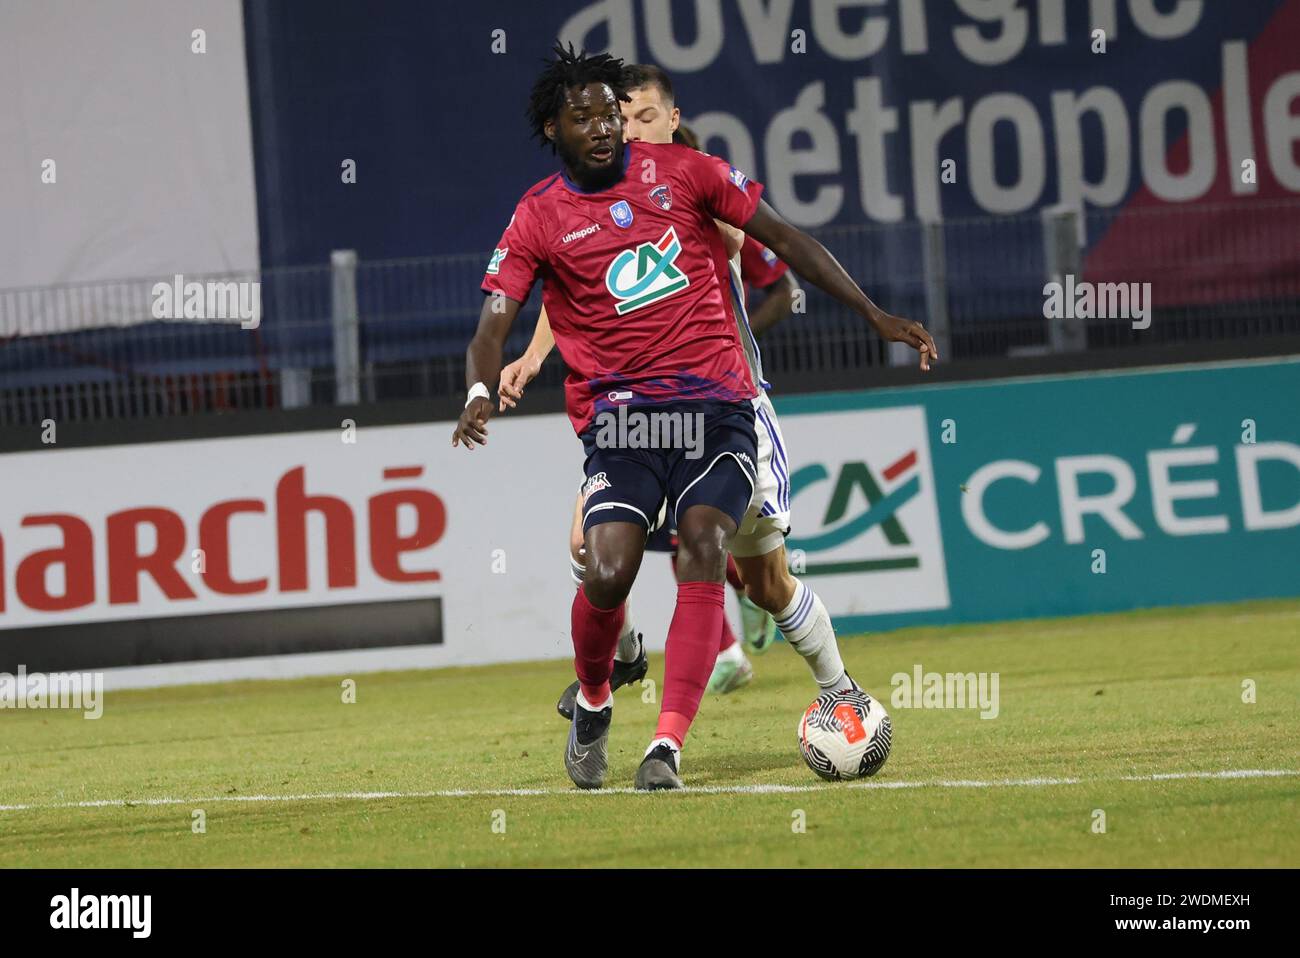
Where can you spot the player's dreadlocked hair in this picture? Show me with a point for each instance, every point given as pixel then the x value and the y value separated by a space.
pixel 568 70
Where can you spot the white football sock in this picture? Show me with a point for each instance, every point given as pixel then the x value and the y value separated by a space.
pixel 628 645
pixel 806 625
pixel 677 752
pixel 582 700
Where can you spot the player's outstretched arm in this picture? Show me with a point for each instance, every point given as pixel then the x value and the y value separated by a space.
pixel 809 259
pixel 482 365
pixel 525 369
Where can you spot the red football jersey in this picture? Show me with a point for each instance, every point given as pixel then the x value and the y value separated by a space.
pixel 629 279
pixel 759 266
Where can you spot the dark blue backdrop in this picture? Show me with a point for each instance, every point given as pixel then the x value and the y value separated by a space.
pixel 413 92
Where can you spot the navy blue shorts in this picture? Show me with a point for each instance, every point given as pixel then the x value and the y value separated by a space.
pixel 663 539
pixel 649 464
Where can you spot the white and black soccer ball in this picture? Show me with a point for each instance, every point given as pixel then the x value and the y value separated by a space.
pixel 845 735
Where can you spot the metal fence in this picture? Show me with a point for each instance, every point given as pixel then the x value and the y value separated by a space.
pixel 351 331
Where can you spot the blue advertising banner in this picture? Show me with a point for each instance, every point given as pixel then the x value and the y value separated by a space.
pixel 850 111
pixel 1048 496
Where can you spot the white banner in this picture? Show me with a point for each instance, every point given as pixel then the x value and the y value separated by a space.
pixel 366 514
pixel 126 148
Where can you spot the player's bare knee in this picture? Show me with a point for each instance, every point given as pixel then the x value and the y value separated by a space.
pixel 701 552
pixel 613 557
pixel 609 580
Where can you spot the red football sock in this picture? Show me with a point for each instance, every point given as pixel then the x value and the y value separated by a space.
pixel 673 725
pixel 728 638
pixel 733 575
pixel 691 651
pixel 595 638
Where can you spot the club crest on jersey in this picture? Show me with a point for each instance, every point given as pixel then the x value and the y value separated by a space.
pixel 739 179
pixel 647 274
pixel 494 264
pixel 622 214
pixel 661 197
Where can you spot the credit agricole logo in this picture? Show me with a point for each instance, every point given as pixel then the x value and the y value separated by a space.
pixel 866 521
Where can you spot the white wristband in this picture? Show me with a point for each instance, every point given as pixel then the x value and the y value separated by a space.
pixel 476 391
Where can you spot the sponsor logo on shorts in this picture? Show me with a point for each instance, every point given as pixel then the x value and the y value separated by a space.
pixel 594 484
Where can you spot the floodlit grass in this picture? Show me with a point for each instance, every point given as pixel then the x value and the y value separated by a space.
pixel 1098 699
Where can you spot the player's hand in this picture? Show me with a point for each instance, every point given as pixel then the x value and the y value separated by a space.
pixel 896 329
pixel 472 427
pixel 732 238
pixel 515 377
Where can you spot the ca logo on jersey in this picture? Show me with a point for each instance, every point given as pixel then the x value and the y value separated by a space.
pixel 647 274
pixel 494 264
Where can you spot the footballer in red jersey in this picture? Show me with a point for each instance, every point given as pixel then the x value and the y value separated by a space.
pixel 629 279
pixel 651 114
pixel 621 241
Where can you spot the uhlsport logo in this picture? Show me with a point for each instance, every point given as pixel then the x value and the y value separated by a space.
pixel 645 275
pixel 864 512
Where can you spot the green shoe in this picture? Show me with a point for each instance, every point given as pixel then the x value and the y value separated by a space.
pixel 758 629
pixel 728 676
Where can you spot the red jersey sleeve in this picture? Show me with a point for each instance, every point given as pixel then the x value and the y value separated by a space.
pixel 759 266
pixel 727 193
pixel 515 262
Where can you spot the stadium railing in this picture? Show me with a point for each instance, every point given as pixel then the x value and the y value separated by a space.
pixel 354 331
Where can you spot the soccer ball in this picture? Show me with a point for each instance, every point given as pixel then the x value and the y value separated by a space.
pixel 845 735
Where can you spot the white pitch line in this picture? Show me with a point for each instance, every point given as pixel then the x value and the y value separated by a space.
pixel 698 790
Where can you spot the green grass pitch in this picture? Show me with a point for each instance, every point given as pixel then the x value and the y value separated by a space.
pixel 1093 712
